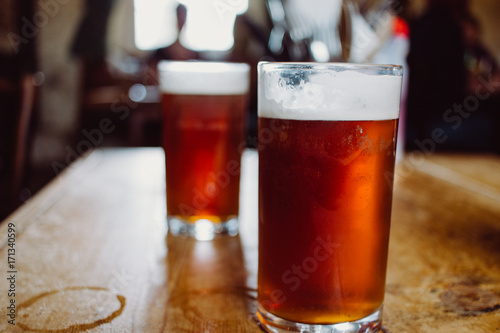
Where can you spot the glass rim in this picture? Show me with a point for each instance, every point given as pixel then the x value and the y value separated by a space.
pixel 369 69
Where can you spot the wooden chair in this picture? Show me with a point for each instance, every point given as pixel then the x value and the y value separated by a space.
pixel 19 160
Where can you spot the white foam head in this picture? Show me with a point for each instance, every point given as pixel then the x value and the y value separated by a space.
pixel 329 91
pixel 203 77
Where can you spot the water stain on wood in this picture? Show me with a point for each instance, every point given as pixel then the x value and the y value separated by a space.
pixel 469 299
pixel 31 311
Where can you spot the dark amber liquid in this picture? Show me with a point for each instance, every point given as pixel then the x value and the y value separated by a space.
pixel 325 192
pixel 203 136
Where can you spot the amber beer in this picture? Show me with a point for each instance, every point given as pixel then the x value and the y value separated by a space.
pixel 325 192
pixel 204 108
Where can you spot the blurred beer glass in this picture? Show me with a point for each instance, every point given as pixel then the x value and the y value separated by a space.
pixel 327 140
pixel 204 111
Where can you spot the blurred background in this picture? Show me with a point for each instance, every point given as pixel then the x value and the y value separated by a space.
pixel 81 74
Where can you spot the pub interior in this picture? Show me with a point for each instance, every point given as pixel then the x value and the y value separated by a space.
pixel 79 75
pixel 66 65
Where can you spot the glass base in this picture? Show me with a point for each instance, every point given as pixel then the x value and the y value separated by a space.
pixel 274 324
pixel 202 229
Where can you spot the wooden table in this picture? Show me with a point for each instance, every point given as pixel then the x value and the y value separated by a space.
pixel 92 252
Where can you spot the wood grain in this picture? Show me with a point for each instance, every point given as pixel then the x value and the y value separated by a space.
pixel 93 253
pixel 444 237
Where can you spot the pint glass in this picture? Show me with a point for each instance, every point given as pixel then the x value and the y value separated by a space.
pixel 204 110
pixel 327 139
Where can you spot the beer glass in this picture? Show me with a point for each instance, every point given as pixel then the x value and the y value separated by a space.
pixel 327 140
pixel 204 111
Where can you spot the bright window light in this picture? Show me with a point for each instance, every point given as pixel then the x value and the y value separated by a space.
pixel 155 24
pixel 209 23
